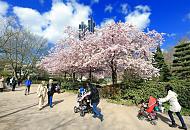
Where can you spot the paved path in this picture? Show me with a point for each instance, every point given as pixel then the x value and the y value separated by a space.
pixel 20 112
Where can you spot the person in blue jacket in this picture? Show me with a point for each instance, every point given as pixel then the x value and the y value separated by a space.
pixel 28 83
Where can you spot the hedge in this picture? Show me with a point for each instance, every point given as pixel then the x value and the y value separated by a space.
pixel 142 91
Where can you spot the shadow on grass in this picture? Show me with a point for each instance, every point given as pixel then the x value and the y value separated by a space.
pixel 19 110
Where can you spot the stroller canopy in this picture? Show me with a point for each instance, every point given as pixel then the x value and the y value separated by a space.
pixel 151 104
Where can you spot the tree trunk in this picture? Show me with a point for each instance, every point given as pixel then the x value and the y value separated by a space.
pixel 65 75
pixel 74 77
pixel 81 75
pixel 114 72
pixel 90 74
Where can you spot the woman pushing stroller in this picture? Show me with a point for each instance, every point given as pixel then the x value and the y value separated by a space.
pixel 174 107
pixel 84 105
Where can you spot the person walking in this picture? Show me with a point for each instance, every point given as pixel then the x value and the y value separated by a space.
pixel 95 100
pixel 13 83
pixel 174 107
pixel 8 81
pixel 2 84
pixel 19 82
pixel 51 91
pixel 41 93
pixel 28 83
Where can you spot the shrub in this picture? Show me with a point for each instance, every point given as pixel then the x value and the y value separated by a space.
pixel 135 92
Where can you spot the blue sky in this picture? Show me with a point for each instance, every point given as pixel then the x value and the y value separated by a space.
pixel 168 16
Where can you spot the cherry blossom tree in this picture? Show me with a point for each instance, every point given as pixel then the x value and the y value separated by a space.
pixel 110 51
pixel 119 46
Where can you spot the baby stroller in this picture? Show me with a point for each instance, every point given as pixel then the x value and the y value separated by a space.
pixel 149 111
pixel 84 104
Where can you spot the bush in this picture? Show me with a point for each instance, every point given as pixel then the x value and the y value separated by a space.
pixel 143 92
pixel 135 92
pixel 69 85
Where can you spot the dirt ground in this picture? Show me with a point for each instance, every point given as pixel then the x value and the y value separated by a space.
pixel 20 112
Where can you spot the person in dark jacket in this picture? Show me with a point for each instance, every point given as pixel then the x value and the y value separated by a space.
pixel 13 83
pixel 95 99
pixel 51 90
pixel 8 81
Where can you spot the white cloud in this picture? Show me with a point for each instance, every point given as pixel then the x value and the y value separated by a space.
pixel 124 8
pixel 139 17
pixel 30 19
pixel 51 24
pixel 107 21
pixel 3 8
pixel 108 8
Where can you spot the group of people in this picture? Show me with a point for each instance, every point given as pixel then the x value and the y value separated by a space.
pixel 10 82
pixel 47 89
pixel 50 88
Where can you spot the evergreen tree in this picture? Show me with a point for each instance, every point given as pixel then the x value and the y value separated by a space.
pixel 181 62
pixel 160 64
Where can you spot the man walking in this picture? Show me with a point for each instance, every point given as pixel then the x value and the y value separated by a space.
pixel 13 83
pixel 95 99
pixel 28 83
pixel 51 91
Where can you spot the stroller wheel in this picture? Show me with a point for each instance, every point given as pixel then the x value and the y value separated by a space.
pixel 153 122
pixel 75 109
pixel 91 111
pixel 82 113
pixel 140 117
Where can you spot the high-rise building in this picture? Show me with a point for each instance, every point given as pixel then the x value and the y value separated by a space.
pixel 83 27
pixel 91 25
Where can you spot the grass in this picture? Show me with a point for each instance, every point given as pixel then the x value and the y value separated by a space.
pixel 70 91
pixel 120 102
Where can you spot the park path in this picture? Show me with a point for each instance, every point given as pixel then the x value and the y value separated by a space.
pixel 20 112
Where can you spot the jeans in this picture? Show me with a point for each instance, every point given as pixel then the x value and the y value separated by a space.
pixel 27 90
pixel 170 113
pixel 13 87
pixel 50 98
pixel 95 110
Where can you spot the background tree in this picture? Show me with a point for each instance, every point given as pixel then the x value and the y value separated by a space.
pixel 20 48
pixel 160 64
pixel 181 62
pixel 168 57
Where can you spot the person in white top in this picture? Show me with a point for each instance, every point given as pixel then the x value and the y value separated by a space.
pixel 174 107
pixel 2 85
pixel 41 93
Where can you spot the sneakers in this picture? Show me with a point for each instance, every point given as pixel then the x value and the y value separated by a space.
pixel 101 117
pixel 182 127
pixel 173 125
